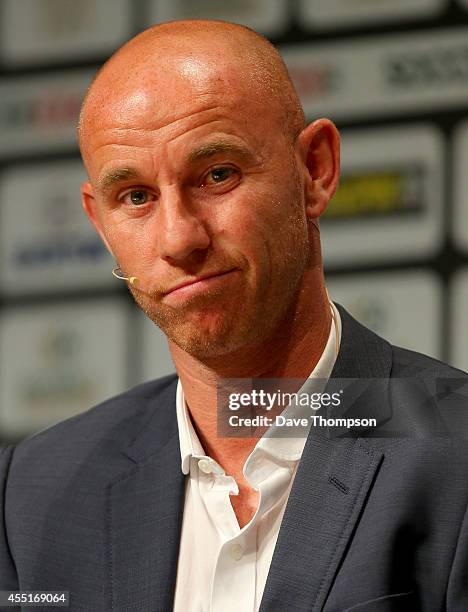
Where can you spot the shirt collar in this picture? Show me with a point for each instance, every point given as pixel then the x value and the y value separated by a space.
pixel 286 449
pixel 190 445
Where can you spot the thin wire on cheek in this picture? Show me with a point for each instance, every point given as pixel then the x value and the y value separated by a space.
pixel 314 223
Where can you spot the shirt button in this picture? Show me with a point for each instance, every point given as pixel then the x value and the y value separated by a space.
pixel 236 552
pixel 205 466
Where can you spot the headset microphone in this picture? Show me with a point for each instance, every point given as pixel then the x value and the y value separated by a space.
pixel 314 223
pixel 117 272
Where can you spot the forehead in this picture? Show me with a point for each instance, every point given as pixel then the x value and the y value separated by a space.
pixel 151 109
pixel 169 86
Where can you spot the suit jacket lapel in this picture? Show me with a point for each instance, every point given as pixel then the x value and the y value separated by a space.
pixel 145 506
pixel 329 492
pixel 145 503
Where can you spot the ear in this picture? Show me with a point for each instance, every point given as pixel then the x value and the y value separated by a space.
pixel 91 209
pixel 320 152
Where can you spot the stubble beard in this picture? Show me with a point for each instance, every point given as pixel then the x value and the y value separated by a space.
pixel 218 323
pixel 210 325
pixel 204 326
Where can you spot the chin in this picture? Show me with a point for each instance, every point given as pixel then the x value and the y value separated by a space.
pixel 208 335
pixel 207 331
pixel 204 341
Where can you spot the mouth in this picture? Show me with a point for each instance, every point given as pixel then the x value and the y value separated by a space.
pixel 197 285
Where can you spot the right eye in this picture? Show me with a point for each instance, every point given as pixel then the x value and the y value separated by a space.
pixel 136 197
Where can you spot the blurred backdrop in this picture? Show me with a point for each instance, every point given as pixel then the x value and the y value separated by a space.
pixel 393 75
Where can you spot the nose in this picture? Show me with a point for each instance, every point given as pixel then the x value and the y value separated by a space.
pixel 181 231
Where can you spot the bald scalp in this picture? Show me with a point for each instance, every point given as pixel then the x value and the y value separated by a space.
pixel 262 68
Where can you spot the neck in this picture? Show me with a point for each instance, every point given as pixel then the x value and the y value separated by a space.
pixel 291 351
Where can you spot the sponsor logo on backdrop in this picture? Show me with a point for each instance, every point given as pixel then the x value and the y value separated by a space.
pixel 40 114
pixel 45 254
pixel 391 186
pixel 49 245
pixel 379 193
pixel 47 110
pixel 65 241
pixel 330 14
pixel 382 76
pixel 317 81
pixel 427 68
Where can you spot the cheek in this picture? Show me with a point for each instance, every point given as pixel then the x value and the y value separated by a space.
pixel 285 235
pixel 245 223
pixel 264 222
pixel 129 241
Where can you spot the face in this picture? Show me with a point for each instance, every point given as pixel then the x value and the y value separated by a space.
pixel 197 193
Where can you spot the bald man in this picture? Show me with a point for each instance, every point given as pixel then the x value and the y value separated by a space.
pixel 206 185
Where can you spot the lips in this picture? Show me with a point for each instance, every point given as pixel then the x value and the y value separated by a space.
pixel 192 281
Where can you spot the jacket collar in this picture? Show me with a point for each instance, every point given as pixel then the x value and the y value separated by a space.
pixel 158 432
pixel 145 504
pixel 332 484
pixel 362 354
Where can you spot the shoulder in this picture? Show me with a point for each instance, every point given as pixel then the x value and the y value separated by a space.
pixel 365 354
pixel 428 401
pixel 407 363
pixel 432 394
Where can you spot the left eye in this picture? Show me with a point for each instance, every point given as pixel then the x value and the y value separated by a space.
pixel 137 197
pixel 218 175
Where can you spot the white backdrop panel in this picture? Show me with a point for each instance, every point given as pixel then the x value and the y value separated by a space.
pixel 460 216
pixel 266 16
pixel 39 114
pixel 36 31
pixel 46 241
pixel 59 360
pixel 155 357
pixel 347 13
pixel 402 307
pixel 379 76
pixel 389 205
pixel 459 320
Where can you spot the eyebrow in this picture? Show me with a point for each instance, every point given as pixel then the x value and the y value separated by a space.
pixel 215 148
pixel 115 176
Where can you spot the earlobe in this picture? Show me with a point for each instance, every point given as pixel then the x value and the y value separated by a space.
pixel 320 143
pixel 90 207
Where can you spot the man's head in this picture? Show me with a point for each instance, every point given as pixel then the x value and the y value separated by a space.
pixel 200 165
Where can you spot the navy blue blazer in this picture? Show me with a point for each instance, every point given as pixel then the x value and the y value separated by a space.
pixel 94 505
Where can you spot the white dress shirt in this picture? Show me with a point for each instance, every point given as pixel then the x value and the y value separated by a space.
pixel 222 568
